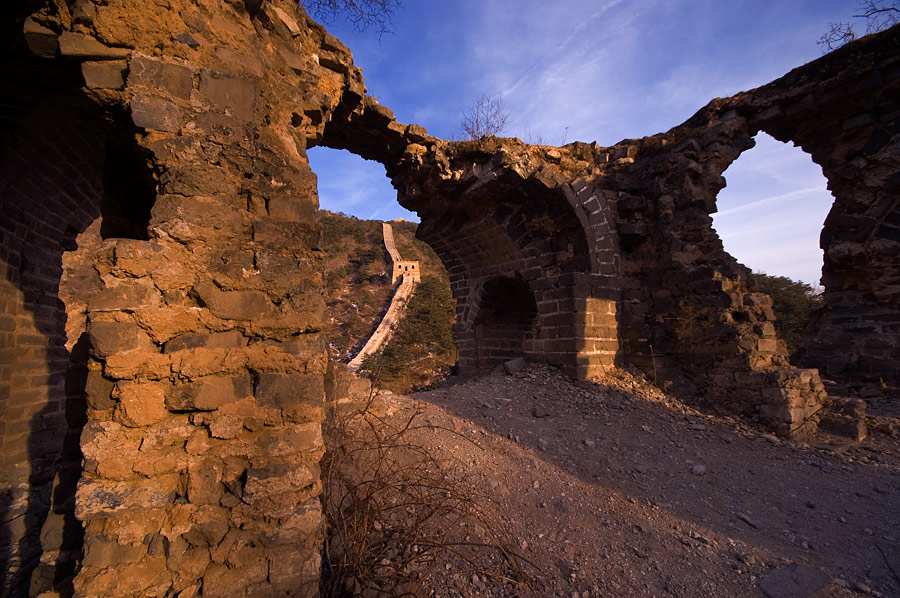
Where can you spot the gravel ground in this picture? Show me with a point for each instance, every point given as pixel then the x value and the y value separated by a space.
pixel 613 488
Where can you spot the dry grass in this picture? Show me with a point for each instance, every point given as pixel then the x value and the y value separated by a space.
pixel 397 515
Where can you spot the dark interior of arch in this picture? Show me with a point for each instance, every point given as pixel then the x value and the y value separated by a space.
pixel 63 167
pixel 507 314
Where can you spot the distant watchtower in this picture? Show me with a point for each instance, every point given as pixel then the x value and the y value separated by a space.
pixel 401 267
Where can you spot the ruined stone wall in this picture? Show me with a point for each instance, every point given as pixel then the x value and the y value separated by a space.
pixel 161 284
pixel 632 271
pixel 199 361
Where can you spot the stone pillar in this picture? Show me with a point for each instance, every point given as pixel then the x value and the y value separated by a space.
pixel 205 389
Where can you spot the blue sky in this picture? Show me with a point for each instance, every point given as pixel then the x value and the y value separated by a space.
pixel 601 70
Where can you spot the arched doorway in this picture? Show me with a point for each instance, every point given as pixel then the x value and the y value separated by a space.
pixel 506 321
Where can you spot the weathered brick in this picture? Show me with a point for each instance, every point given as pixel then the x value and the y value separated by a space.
pixel 208 393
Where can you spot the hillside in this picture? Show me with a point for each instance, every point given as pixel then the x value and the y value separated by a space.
pixel 358 292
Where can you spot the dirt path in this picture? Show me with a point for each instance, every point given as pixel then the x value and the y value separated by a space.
pixel 615 489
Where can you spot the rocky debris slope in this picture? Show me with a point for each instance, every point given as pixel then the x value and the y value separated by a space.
pixel 614 488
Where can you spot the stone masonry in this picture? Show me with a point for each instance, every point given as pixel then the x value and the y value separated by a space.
pixel 160 302
pixel 585 256
pixel 161 297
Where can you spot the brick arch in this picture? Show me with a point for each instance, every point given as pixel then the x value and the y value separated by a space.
pixel 502 225
pixel 68 179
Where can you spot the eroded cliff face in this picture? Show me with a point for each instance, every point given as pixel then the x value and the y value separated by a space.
pixel 161 293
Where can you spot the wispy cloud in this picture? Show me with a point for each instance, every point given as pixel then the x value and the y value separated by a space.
pixel 755 205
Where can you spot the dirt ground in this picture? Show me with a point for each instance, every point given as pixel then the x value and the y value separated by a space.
pixel 615 489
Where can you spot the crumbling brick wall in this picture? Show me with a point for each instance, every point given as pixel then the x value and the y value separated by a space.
pixel 196 298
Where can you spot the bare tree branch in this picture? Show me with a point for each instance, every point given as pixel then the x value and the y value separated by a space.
pixel 878 17
pixel 877 14
pixel 364 14
pixel 837 35
pixel 485 117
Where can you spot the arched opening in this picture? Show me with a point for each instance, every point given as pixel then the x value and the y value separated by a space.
pixel 68 179
pixel 365 270
pixel 506 321
pixel 771 213
pixel 770 218
pixel 350 184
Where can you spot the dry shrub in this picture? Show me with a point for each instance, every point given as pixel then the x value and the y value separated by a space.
pixel 397 515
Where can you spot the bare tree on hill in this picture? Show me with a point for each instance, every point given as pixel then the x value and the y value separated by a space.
pixel 485 117
pixel 878 15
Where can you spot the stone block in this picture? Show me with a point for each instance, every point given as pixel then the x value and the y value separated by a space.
pixel 208 393
pixel 108 338
pixel 104 74
pixel 81 46
pixel 141 404
pixel 514 365
pixel 775 414
pixel 42 42
pixel 147 577
pixel 175 79
pixel 104 498
pixel 291 440
pixel 293 209
pixel 289 21
pixel 102 552
pixel 146 364
pixel 99 391
pixel 767 345
pixel 283 234
pixel 300 313
pixel 233 305
pixel 168 321
pixel 229 339
pixel 296 62
pixel 416 133
pixel 288 569
pixel 232 95
pixel 299 396
pixel 204 481
pixel 278 478
pixel 304 523
pixel 226 427
pixel 220 581
pixel 209 526
pixel 155 113
pixel 131 295
pixel 109 449
pixel 305 345
pixel 843 425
